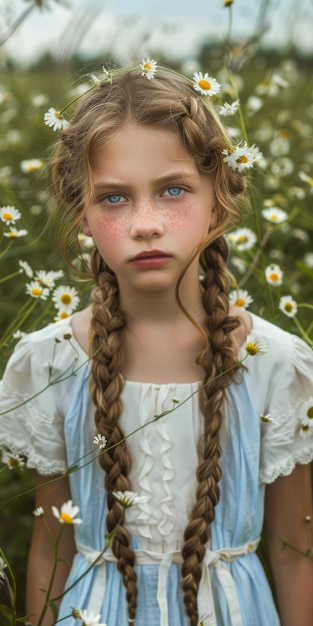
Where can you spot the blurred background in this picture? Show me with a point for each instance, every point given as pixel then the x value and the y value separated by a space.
pixel 48 49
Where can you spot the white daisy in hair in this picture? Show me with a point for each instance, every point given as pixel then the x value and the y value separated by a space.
pixel 55 120
pixel 229 109
pixel 149 68
pixel 205 84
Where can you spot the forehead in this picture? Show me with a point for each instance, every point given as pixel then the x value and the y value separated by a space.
pixel 137 148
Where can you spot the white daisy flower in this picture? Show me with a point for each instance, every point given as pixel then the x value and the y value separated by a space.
pixel 242 239
pixel 282 167
pixel 38 512
pixel 25 267
pixel 307 179
pixel 288 306
pixel 253 104
pixel 274 275
pixel 55 119
pixel 101 441
pixel 128 498
pixel 229 109
pixel 305 431
pixel 14 233
pixel 65 298
pixel 240 157
pixel 39 100
pixel 31 165
pixel 240 297
pixel 205 84
pixel 13 460
pixel 47 279
pixel 36 290
pixel 87 617
pixel 306 412
pixel 149 68
pixel 61 315
pixel 87 242
pixel 266 418
pixel 255 345
pixel 9 214
pixel 18 334
pixel 67 514
pixel 274 215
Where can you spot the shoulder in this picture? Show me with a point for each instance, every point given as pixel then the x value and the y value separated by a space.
pixel 43 353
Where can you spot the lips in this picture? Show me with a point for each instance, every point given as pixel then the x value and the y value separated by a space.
pixel 150 254
pixel 150 259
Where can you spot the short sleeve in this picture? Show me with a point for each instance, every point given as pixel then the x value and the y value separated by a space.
pixel 287 435
pixel 31 408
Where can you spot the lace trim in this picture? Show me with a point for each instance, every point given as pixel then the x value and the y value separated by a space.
pixel 33 460
pixel 286 466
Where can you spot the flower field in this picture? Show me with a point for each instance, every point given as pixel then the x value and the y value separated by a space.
pixel 265 100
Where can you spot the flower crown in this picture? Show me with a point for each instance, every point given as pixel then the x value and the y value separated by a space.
pixel 240 157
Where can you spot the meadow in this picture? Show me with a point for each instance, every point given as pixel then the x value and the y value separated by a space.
pixel 271 255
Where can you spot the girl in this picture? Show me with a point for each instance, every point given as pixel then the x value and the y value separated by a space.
pixel 140 169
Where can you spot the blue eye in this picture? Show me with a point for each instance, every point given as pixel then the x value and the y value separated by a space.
pixel 174 191
pixel 114 198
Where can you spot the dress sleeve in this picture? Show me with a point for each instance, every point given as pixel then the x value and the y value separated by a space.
pixel 287 435
pixel 31 423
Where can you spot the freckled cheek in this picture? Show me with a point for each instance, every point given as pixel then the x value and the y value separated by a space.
pixel 109 228
pixel 187 218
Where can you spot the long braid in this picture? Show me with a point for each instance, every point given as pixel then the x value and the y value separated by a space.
pixel 218 358
pixel 106 384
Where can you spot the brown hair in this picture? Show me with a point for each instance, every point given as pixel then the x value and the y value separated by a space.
pixel 166 102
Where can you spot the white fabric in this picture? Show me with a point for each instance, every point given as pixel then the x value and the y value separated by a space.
pixel 279 382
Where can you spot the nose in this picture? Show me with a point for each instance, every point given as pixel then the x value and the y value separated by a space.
pixel 147 221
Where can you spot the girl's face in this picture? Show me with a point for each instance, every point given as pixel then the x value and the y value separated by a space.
pixel 151 208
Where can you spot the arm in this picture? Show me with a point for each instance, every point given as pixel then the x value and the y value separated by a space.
pixel 288 501
pixel 40 558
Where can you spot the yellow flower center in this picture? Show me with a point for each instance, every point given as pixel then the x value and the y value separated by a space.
pixel 66 298
pixel 7 216
pixel 58 115
pixel 63 315
pixel 67 519
pixel 204 84
pixel 252 349
pixel 242 239
pixel 36 291
pixel 242 159
pixel 147 66
pixel 12 235
pixel 273 217
pixel 310 181
pixel 240 302
pixel 274 277
pixel 13 462
pixel 288 307
pixel 310 413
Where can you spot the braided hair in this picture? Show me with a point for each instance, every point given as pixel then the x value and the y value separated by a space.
pixel 170 103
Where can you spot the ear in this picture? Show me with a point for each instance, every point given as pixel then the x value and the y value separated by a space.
pixel 213 217
pixel 85 227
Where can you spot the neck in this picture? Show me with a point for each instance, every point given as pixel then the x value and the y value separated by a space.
pixel 161 306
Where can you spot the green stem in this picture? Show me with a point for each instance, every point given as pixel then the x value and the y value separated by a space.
pixel 9 276
pixel 54 568
pixel 17 323
pixel 302 331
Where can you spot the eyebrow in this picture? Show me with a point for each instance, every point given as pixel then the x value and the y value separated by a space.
pixel 174 176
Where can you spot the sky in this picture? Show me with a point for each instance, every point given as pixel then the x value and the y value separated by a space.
pixel 129 29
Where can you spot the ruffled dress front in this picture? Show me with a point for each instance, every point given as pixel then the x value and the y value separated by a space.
pixel 46 415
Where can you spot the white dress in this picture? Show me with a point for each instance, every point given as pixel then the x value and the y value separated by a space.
pixel 46 415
